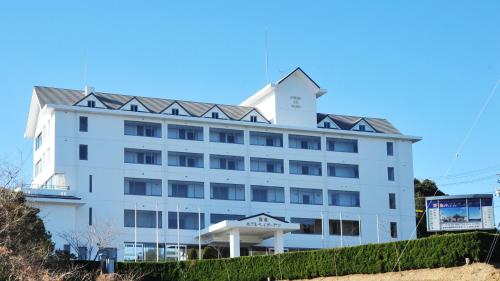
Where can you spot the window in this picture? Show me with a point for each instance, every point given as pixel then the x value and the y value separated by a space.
pixel 142 129
pixel 343 198
pixel 226 135
pixel 215 115
pixel 186 189
pixel 187 220
pixel 227 162
pixel 342 145
pixel 305 168
pixel 306 196
pixel 326 124
pixel 307 226
pixel 90 216
pixel 349 227
pixel 392 200
pixel 253 118
pixel 266 165
pixel 184 132
pixel 271 194
pixel 90 183
pixel 226 191
pixel 362 128
pixel 38 167
pixel 343 170
pixel 390 149
pixel 145 187
pixel 216 218
pixel 304 142
pixel 91 103
pixel 175 111
pixel 390 173
pixel 145 219
pixel 83 152
pixel 142 156
pixel 266 139
pixel 394 230
pixel 185 159
pixel 84 123
pixel 38 141
pixel 134 107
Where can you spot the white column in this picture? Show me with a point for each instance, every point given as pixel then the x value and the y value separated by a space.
pixel 278 242
pixel 234 243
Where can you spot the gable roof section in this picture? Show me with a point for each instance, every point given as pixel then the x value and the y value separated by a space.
pixel 256 111
pixel 325 117
pixel 215 106
pixel 87 97
pixel 130 101
pixel 346 122
pixel 172 105
pixel 263 214
pixel 302 71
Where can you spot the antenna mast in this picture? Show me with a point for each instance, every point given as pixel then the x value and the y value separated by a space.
pixel 266 58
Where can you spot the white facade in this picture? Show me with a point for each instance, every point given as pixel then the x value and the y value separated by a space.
pixel 289 106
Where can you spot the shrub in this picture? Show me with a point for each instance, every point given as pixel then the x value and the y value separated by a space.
pixel 436 251
pixel 192 254
pixel 210 253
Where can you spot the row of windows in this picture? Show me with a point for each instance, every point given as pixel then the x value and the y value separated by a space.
pixel 192 221
pixel 259 193
pixel 237 163
pixel 233 136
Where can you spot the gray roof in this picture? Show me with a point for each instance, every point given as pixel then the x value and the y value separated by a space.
pixel 50 95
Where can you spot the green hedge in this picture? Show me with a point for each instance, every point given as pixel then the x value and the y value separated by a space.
pixel 437 251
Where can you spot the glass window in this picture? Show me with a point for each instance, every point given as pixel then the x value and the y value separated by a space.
pixel 392 200
pixel 253 118
pixel 226 135
pixel 390 173
pixel 307 226
pixel 144 129
pixel 226 191
pixel 38 167
pixel 304 142
pixel 145 219
pixel 305 168
pixel 215 115
pixel 349 227
pixel 185 189
pixel 343 198
pixel 91 103
pixel 216 218
pixel 266 165
pixel 83 152
pixel 146 187
pixel 266 139
pixel 306 196
pixel 185 159
pixel 183 132
pixel 390 148
pixel 175 111
pixel 227 162
pixel 38 141
pixel 134 107
pixel 142 156
pixel 84 121
pixel 187 220
pixel 342 145
pixel 343 170
pixel 271 194
pixel 394 230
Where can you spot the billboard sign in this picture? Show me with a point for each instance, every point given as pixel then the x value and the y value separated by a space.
pixel 467 212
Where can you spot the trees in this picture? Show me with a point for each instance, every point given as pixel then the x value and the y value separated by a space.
pixel 96 236
pixel 423 189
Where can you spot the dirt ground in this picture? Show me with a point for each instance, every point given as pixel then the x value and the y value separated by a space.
pixel 474 272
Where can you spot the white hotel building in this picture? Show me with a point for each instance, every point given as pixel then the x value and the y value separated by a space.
pixel 111 159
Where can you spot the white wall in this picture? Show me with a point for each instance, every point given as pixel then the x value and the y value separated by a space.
pixel 106 143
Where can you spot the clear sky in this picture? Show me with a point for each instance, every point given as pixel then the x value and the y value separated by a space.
pixel 427 66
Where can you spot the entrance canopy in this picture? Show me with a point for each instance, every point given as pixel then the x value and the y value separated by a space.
pixel 249 230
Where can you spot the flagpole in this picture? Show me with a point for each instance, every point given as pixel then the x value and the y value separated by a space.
pixel 178 236
pixel 359 229
pixel 157 235
pixel 199 234
pixel 135 232
pixel 378 231
pixel 341 232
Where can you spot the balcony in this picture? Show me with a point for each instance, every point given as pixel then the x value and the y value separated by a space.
pixel 49 193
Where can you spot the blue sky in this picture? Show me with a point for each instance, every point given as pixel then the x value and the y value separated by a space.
pixel 427 66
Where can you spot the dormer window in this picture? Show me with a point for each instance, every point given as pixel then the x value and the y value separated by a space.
pixel 253 119
pixel 134 107
pixel 326 124
pixel 215 115
pixel 91 103
pixel 175 111
pixel 362 128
